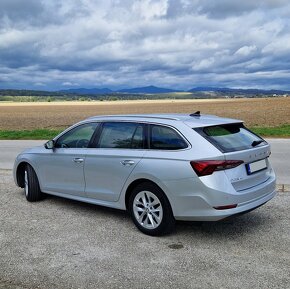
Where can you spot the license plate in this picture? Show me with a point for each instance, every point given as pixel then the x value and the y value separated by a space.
pixel 256 166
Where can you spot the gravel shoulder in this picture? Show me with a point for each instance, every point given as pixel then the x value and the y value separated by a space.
pixel 58 243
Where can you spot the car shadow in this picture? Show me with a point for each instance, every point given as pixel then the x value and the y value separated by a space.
pixel 233 227
pixel 86 208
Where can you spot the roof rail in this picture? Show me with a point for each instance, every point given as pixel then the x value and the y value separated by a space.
pixel 134 116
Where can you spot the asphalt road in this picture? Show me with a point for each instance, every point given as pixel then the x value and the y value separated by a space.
pixel 9 149
pixel 58 243
pixel 280 157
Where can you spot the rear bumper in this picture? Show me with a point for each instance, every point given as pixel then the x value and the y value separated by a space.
pixel 216 215
pixel 193 201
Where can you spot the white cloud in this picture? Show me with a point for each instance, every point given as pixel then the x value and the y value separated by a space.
pixel 204 64
pixel 68 83
pixel 280 46
pixel 149 9
pixel 177 43
pixel 39 84
pixel 246 50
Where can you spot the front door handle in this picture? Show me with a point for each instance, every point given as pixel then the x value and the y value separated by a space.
pixel 127 162
pixel 78 160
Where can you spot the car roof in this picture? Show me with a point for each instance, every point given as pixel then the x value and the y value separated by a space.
pixel 194 120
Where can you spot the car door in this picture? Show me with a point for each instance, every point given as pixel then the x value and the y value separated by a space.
pixel 118 150
pixel 62 169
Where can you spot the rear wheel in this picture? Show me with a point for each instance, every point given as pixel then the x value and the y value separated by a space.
pixel 150 210
pixel 31 185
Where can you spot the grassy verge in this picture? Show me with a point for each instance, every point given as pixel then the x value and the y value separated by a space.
pixel 282 131
pixel 35 134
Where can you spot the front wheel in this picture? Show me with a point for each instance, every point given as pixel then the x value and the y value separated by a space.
pixel 150 210
pixel 31 185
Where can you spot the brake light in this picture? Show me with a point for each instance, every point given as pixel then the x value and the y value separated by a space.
pixel 205 168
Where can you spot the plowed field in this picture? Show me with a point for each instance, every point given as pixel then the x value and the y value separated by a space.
pixel 255 112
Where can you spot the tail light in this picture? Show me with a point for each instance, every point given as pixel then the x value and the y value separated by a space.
pixel 205 168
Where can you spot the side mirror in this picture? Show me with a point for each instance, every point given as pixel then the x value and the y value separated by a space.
pixel 49 145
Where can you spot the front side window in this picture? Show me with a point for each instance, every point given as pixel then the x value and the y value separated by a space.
pixel 78 137
pixel 121 135
pixel 165 138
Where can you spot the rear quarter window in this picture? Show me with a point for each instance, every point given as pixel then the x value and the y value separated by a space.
pixel 165 138
pixel 231 137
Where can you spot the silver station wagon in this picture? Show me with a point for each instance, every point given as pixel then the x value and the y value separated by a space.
pixel 160 168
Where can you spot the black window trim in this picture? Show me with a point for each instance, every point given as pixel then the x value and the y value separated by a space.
pixel 146 134
pixel 96 135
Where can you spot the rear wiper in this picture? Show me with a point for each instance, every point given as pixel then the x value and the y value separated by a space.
pixel 256 142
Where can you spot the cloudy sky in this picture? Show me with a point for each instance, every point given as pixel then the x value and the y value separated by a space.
pixel 124 43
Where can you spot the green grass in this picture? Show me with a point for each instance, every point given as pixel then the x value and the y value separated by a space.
pixel 278 131
pixel 46 134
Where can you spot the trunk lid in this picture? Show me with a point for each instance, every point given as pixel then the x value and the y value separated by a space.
pixel 237 142
pixel 254 171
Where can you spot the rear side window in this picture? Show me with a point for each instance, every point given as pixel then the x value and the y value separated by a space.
pixel 231 137
pixel 165 138
pixel 122 135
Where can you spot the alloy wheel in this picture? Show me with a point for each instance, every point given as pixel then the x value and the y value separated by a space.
pixel 147 210
pixel 26 183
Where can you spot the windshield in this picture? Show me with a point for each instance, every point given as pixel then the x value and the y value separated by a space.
pixel 231 137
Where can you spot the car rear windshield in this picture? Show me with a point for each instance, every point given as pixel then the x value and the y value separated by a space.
pixel 231 137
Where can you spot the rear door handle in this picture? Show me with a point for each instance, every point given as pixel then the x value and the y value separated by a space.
pixel 78 160
pixel 127 162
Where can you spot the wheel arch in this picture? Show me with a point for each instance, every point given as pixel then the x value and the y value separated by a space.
pixel 136 182
pixel 19 172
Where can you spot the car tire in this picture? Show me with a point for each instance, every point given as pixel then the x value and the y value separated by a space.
pixel 31 185
pixel 150 210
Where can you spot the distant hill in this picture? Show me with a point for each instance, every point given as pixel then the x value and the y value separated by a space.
pixel 205 88
pixel 87 91
pixel 146 92
pixel 147 89
pixel 250 91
